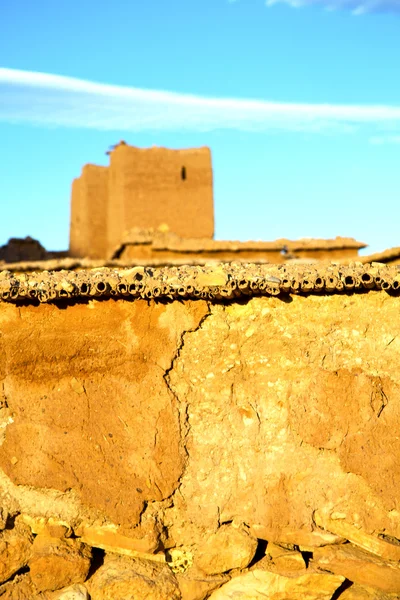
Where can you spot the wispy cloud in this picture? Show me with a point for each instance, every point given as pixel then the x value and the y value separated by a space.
pixel 357 7
pixel 379 140
pixel 54 100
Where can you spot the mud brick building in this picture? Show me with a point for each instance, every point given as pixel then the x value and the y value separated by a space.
pixel 142 188
pixel 89 200
pixel 156 205
pixel 19 249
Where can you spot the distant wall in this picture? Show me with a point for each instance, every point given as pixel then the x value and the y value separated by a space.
pixel 21 249
pixel 147 251
pixel 88 231
pixel 77 243
pixel 155 186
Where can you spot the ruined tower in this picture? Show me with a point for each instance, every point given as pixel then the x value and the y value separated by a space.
pixel 142 188
pixel 89 199
pixel 155 186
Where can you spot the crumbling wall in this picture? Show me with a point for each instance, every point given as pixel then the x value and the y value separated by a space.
pixel 156 186
pixel 89 199
pixel 22 249
pixel 252 445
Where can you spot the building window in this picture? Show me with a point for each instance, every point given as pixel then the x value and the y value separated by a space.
pixel 183 173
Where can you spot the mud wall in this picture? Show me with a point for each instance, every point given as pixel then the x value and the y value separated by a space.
pixel 22 249
pixel 147 251
pixel 156 186
pixel 77 219
pixel 89 199
pixel 252 444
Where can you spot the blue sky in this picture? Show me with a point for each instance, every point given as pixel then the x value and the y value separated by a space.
pixel 299 102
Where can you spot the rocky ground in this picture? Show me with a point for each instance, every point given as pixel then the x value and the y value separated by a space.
pixel 221 432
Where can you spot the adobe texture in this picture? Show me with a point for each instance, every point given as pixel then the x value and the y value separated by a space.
pixel 149 244
pixel 89 198
pixel 250 444
pixel 155 186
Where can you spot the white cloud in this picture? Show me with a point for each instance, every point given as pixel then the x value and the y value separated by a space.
pixel 385 139
pixel 357 7
pixel 54 100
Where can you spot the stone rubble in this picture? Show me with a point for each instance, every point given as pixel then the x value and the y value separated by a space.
pixel 229 548
pixel 15 550
pixel 121 578
pixel 283 561
pixel 260 584
pixel 195 585
pixel 359 566
pixel 388 550
pixel 73 592
pixel 358 592
pixel 57 563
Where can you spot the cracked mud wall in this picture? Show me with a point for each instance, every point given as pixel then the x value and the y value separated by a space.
pixel 293 407
pixel 84 388
pixel 180 420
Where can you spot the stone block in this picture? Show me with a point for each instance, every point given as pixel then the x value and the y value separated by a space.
pixel 133 579
pixel 229 548
pixel 15 550
pixel 57 563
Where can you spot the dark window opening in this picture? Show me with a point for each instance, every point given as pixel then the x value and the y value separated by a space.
pixel 183 173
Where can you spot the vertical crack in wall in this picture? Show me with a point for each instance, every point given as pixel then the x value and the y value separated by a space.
pixel 182 405
pixel 6 417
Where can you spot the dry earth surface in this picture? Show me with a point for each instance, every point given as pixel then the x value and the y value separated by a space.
pixel 190 444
